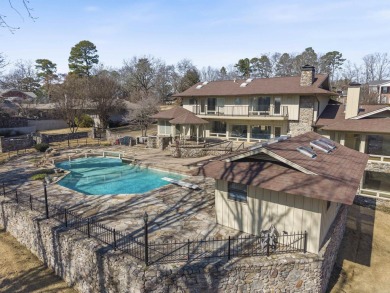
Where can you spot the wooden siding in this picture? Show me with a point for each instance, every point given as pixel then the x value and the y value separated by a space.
pixel 290 213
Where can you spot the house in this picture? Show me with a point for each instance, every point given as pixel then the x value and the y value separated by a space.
pixel 257 109
pixel 381 88
pixel 365 128
pixel 295 184
pixel 15 95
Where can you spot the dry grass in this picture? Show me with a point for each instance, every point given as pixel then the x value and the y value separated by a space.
pixel 363 262
pixel 21 271
pixel 64 130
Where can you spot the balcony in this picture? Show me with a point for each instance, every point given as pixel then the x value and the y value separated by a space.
pixel 241 111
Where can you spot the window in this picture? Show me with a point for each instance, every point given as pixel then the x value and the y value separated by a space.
pixel 237 191
pixel 277 103
pixel 164 127
pixel 239 131
pixel 261 104
pixel 376 181
pixel 278 131
pixel 378 145
pixel 261 132
pixel 218 127
pixel 192 101
pixel 237 101
pixel 211 104
pixel 385 90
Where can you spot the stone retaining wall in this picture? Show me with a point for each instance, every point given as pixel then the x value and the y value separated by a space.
pixel 196 151
pixel 50 138
pixel 16 143
pixel 83 263
pixel 13 122
pixel 330 249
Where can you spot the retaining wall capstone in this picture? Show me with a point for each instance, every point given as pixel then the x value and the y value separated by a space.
pixel 91 267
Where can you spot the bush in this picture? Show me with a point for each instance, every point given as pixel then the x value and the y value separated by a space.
pixel 41 147
pixel 40 176
pixel 46 171
pixel 85 121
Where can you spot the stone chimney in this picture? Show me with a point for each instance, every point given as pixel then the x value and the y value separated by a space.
pixel 352 103
pixel 307 75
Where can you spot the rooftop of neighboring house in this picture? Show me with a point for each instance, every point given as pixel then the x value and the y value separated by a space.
pixel 14 93
pixel 279 166
pixel 378 82
pixel 367 119
pixel 263 86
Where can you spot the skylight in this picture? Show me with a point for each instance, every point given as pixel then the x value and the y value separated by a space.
pixel 243 84
pixel 249 80
pixel 321 146
pixel 307 151
pixel 199 86
pixel 205 82
pixel 328 142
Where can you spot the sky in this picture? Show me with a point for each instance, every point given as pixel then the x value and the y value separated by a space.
pixel 210 33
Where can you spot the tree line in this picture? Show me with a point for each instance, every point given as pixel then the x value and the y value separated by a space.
pixel 147 81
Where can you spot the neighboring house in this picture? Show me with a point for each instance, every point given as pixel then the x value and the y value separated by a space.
pixel 365 128
pixel 260 108
pixel 382 89
pixel 14 95
pixel 276 184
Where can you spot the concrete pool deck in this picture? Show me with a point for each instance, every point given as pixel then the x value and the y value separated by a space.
pixel 175 213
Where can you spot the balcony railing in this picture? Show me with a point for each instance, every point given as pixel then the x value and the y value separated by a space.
pixel 245 110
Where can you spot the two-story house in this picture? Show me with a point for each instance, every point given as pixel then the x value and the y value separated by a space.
pixel 365 128
pixel 254 109
pixel 381 88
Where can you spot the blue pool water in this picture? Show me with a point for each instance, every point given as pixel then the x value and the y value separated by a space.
pixel 97 176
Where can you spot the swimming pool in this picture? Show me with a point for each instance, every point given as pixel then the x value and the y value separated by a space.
pixel 98 176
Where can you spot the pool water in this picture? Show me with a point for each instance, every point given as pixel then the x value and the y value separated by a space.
pixel 98 176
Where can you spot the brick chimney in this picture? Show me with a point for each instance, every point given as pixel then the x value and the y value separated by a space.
pixel 353 97
pixel 307 75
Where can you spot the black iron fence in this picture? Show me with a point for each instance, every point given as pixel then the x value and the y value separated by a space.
pixel 152 252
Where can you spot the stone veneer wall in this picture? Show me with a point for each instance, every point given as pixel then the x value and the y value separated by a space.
pixel 378 167
pixel 82 263
pixel 196 151
pixel 306 112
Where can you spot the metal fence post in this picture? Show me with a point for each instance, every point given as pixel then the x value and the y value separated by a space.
pixel 68 141
pixel 46 204
pixel 305 243
pixel 229 248
pixel 146 238
pixel 16 196
pixel 31 206
pixel 88 229
pixel 188 249
pixel 114 234
pixel 268 244
pixel 66 217
pixel 3 189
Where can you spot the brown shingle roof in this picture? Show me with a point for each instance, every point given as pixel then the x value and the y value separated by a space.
pixel 171 113
pixel 333 118
pixel 188 118
pixel 338 174
pixel 276 85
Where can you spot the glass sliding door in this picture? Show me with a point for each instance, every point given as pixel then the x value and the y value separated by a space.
pixel 261 132
pixel 211 105
pixel 261 104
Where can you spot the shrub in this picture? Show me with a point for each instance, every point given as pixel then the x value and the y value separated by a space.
pixel 46 171
pixel 85 121
pixel 41 147
pixel 40 176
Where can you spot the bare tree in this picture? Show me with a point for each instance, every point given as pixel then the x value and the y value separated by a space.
pixel 210 74
pixel 70 100
pixel 352 72
pixel 25 6
pixel 142 113
pixel 22 77
pixel 104 95
pixel 376 66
